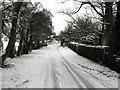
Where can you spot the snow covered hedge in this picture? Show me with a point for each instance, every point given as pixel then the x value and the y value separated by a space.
pixel 99 54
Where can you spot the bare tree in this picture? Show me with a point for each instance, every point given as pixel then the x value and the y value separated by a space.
pixel 117 30
pixel 105 11
pixel 108 18
pixel 12 38
pixel 1 45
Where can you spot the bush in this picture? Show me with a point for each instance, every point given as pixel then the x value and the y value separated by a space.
pixel 90 39
pixel 99 54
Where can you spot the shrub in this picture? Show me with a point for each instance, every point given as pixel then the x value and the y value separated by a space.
pixel 99 54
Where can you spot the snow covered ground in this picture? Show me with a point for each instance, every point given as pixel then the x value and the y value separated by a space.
pixel 0 78
pixel 56 67
pixel 5 43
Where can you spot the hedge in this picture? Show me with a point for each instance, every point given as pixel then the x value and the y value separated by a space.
pixel 99 54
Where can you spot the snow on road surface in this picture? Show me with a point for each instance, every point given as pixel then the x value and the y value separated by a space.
pixel 56 67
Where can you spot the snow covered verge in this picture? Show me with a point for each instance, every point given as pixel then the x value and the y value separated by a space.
pixel 99 54
pixel 102 73
pixel 93 46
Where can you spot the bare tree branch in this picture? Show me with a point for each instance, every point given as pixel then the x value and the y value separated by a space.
pixel 78 9
pixel 95 9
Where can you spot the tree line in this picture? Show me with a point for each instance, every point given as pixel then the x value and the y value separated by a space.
pixel 105 31
pixel 27 23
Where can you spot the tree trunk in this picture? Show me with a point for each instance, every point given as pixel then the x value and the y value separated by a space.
pixel 107 33
pixel 30 43
pixel 20 44
pixel 1 31
pixel 117 30
pixel 101 34
pixel 1 44
pixel 25 46
pixel 12 38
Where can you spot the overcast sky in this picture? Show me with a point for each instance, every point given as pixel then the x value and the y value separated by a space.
pixel 55 6
pixel 59 20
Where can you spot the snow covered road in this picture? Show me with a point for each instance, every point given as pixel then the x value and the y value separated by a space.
pixel 56 67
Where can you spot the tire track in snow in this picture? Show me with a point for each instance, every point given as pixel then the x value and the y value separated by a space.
pixel 56 81
pixel 77 80
pixel 51 80
pixel 100 81
pixel 48 79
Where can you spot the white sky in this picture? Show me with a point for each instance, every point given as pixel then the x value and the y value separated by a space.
pixel 54 6
pixel 59 19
